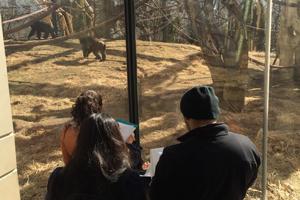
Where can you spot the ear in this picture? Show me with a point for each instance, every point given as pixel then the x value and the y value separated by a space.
pixel 187 122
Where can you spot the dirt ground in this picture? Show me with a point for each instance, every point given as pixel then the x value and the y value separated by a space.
pixel 45 80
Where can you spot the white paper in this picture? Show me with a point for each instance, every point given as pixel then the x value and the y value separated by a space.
pixel 126 130
pixel 154 158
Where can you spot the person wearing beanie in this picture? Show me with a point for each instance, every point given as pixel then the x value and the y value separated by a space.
pixel 209 162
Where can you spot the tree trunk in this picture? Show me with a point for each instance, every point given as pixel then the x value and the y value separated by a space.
pixel 69 21
pixel 236 59
pixel 82 14
pixel 104 11
pixel 193 9
pixel 165 31
pixel 12 3
pixel 289 40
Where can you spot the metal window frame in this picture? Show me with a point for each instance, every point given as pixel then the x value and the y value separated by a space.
pixel 268 27
pixel 132 65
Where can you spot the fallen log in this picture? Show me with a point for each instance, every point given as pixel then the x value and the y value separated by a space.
pixel 72 36
pixel 37 16
pixel 24 16
pixel 61 39
pixel 272 66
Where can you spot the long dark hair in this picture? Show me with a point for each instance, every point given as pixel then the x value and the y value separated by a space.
pixel 87 103
pixel 100 146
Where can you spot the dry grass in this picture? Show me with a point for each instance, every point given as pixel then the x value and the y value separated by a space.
pixel 45 80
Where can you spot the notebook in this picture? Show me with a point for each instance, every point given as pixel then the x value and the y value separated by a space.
pixel 126 128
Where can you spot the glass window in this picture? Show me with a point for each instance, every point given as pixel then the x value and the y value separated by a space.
pixel 283 152
pixel 46 75
pixel 181 44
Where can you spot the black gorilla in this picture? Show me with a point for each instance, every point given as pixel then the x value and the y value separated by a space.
pixel 40 27
pixel 91 44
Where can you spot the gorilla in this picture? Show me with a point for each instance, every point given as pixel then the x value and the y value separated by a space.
pixel 91 44
pixel 40 27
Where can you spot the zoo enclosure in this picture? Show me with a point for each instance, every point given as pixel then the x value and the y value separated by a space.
pixel 230 50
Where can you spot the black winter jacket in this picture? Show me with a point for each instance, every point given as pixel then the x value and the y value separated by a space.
pixel 89 185
pixel 210 163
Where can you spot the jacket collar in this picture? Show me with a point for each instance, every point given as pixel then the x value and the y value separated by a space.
pixel 208 131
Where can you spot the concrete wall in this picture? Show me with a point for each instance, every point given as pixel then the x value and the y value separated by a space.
pixel 9 187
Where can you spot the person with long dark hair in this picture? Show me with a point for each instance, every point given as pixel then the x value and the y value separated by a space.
pixel 87 103
pixel 99 168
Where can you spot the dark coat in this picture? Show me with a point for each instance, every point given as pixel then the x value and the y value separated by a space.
pixel 210 163
pixel 89 185
pixel 135 156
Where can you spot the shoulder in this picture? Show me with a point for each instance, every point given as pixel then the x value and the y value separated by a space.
pixel 72 130
pixel 55 182
pixel 173 151
pixel 55 175
pixel 242 139
pixel 68 129
pixel 244 147
pixel 173 148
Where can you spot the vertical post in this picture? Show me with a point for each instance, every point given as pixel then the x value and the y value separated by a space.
pixel 83 14
pixel 54 19
pixel 266 100
pixel 95 13
pixel 131 64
